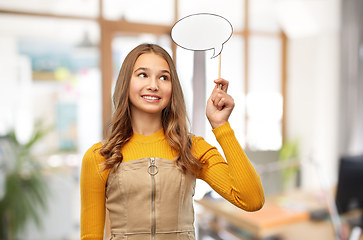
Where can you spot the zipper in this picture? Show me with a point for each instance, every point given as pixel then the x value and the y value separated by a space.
pixel 151 171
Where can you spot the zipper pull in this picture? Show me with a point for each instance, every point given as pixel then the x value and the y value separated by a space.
pixel 152 166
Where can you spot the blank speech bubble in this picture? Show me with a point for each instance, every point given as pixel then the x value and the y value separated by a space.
pixel 202 31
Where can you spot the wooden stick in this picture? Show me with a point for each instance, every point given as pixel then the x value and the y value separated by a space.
pixel 219 69
pixel 219 66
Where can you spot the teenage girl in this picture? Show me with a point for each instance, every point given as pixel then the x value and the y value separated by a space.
pixel 145 172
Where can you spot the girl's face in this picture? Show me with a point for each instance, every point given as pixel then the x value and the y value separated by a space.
pixel 150 84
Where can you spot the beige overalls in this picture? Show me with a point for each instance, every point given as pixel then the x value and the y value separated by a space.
pixel 150 198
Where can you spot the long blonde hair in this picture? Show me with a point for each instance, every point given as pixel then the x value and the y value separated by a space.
pixel 174 116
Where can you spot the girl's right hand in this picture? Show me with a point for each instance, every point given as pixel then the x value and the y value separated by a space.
pixel 219 104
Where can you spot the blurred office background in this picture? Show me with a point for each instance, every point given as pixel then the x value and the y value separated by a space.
pixel 294 66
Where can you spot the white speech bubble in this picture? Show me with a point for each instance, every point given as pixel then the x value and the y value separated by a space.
pixel 202 31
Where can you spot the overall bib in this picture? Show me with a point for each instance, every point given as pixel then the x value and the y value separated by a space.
pixel 150 199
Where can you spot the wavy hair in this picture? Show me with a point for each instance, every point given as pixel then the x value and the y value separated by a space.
pixel 174 116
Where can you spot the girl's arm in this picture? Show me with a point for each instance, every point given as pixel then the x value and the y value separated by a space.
pixel 92 197
pixel 236 180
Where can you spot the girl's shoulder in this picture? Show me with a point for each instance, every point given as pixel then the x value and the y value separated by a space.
pixel 222 131
pixel 223 134
pixel 93 154
pixel 92 162
pixel 200 145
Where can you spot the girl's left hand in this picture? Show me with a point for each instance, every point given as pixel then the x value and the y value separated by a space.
pixel 219 104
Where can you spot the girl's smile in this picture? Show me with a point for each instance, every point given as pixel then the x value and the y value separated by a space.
pixel 150 85
pixel 151 98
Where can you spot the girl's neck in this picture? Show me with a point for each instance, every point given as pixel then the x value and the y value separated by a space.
pixel 146 124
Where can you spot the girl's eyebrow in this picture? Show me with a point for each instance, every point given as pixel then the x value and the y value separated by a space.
pixel 147 69
pixel 141 69
pixel 166 71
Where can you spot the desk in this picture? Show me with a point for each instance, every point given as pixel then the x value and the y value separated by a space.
pixel 285 215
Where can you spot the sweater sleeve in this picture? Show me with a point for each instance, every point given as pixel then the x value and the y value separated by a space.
pixel 92 197
pixel 236 179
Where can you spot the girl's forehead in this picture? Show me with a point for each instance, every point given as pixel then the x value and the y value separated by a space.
pixel 151 59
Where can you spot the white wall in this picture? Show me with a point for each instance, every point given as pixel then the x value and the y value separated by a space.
pixel 313 93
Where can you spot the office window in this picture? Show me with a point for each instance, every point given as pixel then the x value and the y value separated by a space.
pixel 64 75
pixel 184 65
pixel 262 16
pixel 264 98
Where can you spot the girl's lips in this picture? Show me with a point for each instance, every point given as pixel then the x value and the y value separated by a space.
pixel 151 98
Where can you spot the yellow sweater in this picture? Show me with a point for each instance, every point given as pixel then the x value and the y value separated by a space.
pixel 236 180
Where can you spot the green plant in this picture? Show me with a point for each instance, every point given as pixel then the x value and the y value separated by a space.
pixel 289 152
pixel 25 189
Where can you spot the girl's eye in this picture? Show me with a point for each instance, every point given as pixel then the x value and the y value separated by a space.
pixel 142 75
pixel 165 78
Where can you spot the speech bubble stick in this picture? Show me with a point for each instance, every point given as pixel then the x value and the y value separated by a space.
pixel 219 65
pixel 219 69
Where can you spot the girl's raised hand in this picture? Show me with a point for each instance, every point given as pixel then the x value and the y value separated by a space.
pixel 219 104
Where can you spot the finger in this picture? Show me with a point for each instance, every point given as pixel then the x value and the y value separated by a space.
pixel 211 97
pixel 223 83
pixel 229 102
pixel 215 91
pixel 221 103
pixel 216 96
pixel 224 101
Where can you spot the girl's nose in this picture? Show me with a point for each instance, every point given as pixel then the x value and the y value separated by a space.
pixel 153 84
